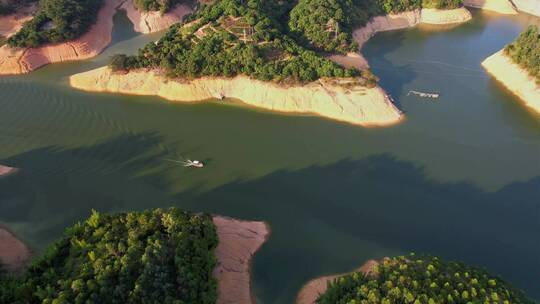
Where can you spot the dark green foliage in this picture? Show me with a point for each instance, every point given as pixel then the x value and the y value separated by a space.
pixel 159 256
pixel 421 280
pixel 57 21
pixel 525 51
pixel 328 24
pixel 239 38
pixel 162 6
pixel 442 4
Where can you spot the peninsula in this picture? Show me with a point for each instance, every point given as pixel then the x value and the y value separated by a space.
pixel 163 255
pixel 271 56
pixel 517 67
pixel 58 31
pixel 412 279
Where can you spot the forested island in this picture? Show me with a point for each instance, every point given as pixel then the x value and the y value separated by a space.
pixel 418 280
pixel 155 256
pixel 517 67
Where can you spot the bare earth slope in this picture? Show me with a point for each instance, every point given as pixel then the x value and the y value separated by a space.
pixel 311 291
pixel 24 60
pixel 238 242
pixel 355 104
pixel 498 6
pixel 513 77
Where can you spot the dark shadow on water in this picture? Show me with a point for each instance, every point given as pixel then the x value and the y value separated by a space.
pixel 123 28
pixel 332 218
pixel 324 219
pixel 57 187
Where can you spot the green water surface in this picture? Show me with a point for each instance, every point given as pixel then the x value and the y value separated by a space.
pixel 459 178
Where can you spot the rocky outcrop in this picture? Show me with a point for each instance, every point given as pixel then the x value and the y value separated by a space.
pixel 499 6
pixel 312 290
pixel 528 6
pixel 24 60
pixel 453 16
pixel 514 78
pixel 13 253
pixel 238 242
pixel 149 22
pixel 5 170
pixel 341 100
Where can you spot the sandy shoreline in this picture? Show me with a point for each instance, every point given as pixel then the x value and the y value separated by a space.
pixel 514 78
pixel 24 60
pixel 314 288
pixel 14 254
pixel 352 104
pixel 498 6
pixel 238 242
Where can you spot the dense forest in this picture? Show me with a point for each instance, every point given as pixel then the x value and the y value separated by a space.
pixel 525 51
pixel 162 6
pixel 421 280
pixel 328 25
pixel 158 256
pixel 57 21
pixel 233 37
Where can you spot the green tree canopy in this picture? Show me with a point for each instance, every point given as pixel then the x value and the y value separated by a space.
pixel 421 280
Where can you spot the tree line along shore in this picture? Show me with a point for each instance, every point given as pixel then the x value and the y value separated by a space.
pixel 174 256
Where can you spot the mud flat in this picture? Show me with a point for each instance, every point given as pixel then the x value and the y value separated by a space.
pixel 338 99
pixel 13 253
pixel 238 242
pixel 499 6
pixel 24 60
pixel 514 78
pixel 314 288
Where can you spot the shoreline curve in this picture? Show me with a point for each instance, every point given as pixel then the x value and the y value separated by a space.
pixel 314 288
pixel 337 99
pixel 516 79
pixel 14 61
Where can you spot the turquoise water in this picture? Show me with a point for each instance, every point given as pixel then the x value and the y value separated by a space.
pixel 459 178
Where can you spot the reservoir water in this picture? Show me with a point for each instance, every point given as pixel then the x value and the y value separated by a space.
pixel 460 178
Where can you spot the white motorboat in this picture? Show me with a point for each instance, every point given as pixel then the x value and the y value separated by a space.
pixel 193 163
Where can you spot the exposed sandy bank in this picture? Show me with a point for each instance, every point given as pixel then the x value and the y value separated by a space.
pixel 238 242
pixel 498 6
pixel 24 60
pixel 149 22
pixel 513 77
pixel 5 170
pixel 528 6
pixel 13 253
pixel 314 288
pixel 356 105
pixel 435 16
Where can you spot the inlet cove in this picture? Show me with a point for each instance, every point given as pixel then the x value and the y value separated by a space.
pixel 258 151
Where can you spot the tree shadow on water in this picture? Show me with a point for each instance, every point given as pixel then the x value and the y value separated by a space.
pixel 57 187
pixel 329 219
